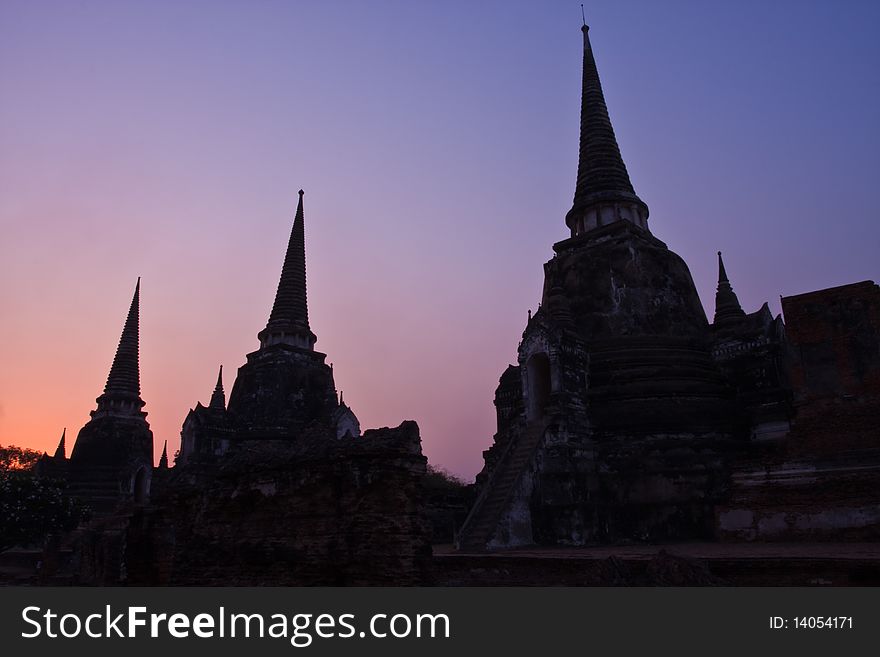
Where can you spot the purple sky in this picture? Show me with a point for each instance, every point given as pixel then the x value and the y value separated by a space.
pixel 437 145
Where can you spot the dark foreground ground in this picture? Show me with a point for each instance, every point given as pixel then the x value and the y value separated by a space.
pixel 682 564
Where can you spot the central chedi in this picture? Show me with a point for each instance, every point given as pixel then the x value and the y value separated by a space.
pixel 614 423
pixel 284 387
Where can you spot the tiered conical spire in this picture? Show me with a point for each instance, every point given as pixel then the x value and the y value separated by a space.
pixel 289 320
pixel 218 398
pixel 727 308
pixel 123 390
pixel 163 460
pixel 603 192
pixel 61 450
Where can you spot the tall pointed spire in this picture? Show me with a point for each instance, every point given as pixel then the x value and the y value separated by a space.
pixel 289 320
pixel 163 460
pixel 218 398
pixel 603 192
pixel 122 393
pixel 727 308
pixel 61 451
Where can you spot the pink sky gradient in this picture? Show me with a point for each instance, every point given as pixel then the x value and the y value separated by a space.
pixel 437 145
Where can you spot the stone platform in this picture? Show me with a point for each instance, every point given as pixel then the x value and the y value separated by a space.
pixel 679 564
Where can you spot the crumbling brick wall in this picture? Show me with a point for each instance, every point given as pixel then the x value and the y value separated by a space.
pixel 314 511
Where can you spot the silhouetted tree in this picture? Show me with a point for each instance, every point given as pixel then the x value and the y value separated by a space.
pixel 447 499
pixel 440 479
pixel 14 458
pixel 31 507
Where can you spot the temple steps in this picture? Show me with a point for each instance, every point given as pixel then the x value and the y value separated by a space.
pixel 484 517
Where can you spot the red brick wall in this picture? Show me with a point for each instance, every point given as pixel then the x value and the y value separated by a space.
pixel 835 339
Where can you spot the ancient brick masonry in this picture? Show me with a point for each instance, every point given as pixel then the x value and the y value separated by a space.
pixel 315 511
pixel 822 482
pixel 835 338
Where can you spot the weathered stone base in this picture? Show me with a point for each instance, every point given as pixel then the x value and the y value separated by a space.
pixel 112 463
pixel 280 390
pixel 312 511
pixel 833 498
pixel 692 564
pixel 635 493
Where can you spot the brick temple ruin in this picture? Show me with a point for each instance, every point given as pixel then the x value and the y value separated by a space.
pixel 277 487
pixel 629 420
pixel 628 417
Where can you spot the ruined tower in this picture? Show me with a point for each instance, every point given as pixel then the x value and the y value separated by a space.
pixel 751 351
pixel 206 430
pixel 285 385
pixel 112 459
pixel 612 423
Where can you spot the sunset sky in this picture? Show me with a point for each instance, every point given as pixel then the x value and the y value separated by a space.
pixel 437 146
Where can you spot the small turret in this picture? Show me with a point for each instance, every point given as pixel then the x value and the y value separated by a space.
pixel 218 397
pixel 61 451
pixel 112 459
pixel 727 308
pixel 163 460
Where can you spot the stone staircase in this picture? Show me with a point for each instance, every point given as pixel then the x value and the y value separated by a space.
pixel 490 505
